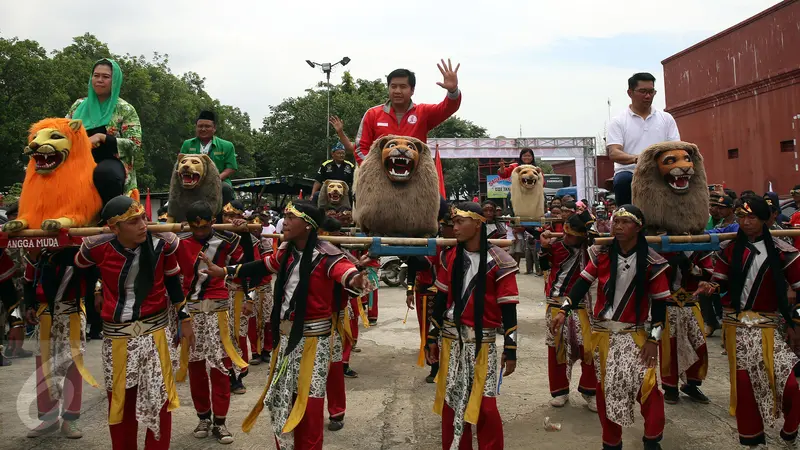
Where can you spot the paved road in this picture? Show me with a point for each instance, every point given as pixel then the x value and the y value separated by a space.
pixel 389 405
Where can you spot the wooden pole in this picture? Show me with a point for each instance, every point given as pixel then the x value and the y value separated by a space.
pixel 155 228
pixel 415 242
pixel 410 242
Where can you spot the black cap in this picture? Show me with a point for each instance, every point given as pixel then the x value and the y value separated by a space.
pixel 207 115
pixel 757 206
pixel 773 201
pixel 724 201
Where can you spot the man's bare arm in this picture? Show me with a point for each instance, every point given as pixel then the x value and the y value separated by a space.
pixel 616 154
pixel 317 186
pixel 226 173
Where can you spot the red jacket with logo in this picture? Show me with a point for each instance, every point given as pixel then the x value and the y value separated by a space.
pixel 381 120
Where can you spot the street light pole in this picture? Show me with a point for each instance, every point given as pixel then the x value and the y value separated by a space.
pixel 328 121
pixel 326 69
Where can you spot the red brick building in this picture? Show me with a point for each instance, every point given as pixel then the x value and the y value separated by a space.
pixel 737 96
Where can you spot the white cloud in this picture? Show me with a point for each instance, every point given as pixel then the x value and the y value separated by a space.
pixel 252 52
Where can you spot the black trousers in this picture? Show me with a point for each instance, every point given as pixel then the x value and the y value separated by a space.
pixel 109 179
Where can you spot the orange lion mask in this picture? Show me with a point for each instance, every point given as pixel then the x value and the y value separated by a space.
pixel 58 191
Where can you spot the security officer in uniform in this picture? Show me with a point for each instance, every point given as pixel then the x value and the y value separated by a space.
pixel 334 169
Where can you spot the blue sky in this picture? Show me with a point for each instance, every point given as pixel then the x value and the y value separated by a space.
pixel 546 66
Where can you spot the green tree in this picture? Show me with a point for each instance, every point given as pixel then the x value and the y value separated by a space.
pixel 35 85
pixel 461 175
pixel 293 135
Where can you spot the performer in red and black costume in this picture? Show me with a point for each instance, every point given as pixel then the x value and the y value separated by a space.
pixel 755 270
pixel 137 269
pixel 565 258
pixel 353 308
pixel 683 352
pixel 341 335
pixel 54 291
pixel 10 299
pixel 207 301
pixel 243 299
pixel 477 294
pixel 421 290
pixel 307 271
pixel 632 285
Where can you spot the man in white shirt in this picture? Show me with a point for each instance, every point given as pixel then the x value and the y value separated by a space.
pixel 635 129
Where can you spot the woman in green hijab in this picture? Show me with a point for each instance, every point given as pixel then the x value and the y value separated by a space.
pixel 114 130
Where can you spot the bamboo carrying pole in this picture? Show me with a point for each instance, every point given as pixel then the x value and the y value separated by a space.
pixel 414 242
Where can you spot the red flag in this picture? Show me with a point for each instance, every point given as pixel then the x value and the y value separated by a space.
pixel 148 208
pixel 440 173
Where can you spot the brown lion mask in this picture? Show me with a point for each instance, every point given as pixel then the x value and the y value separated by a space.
pixel 400 157
pixel 192 169
pixel 670 187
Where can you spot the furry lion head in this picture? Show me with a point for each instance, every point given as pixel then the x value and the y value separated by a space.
pixel 334 194
pixel 527 191
pixel 670 187
pixel 400 156
pixel 390 206
pixel 192 169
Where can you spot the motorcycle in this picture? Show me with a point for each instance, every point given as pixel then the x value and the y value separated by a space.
pixel 393 271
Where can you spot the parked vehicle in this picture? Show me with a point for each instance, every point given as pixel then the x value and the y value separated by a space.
pixel 393 271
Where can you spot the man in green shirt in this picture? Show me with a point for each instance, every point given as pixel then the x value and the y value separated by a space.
pixel 219 150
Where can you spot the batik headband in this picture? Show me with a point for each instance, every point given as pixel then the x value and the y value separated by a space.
pixel 469 215
pixel 300 215
pixel 622 212
pixel 794 192
pixel 229 209
pixel 136 209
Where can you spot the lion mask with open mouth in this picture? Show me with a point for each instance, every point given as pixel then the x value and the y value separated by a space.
pixel 670 187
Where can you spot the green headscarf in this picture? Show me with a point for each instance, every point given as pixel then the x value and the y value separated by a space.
pixel 93 113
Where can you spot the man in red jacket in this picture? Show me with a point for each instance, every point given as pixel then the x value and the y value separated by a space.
pixel 400 116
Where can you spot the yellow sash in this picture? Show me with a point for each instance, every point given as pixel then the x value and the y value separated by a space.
pixel 478 383
pixel 238 297
pixel 251 418
pixel 423 330
pixel 303 384
pixel 441 375
pixel 225 335
pixel 362 313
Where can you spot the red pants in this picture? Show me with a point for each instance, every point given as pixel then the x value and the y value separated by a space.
pixel 372 311
pixel 693 374
pixel 218 398
pixel 559 383
pixel 244 349
pixel 308 433
pixel 71 395
pixel 490 427
pixel 252 334
pixel 652 410
pixel 123 435
pixel 748 417
pixel 334 385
